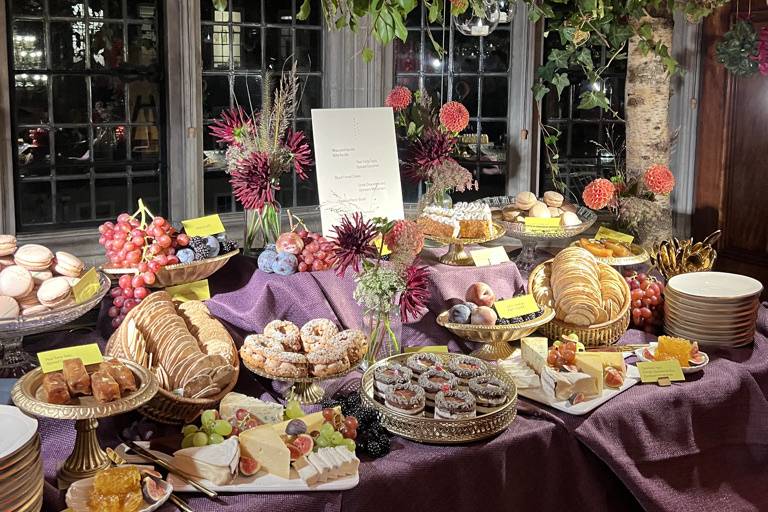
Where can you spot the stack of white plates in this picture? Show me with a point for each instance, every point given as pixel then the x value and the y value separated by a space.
pixel 715 308
pixel 21 466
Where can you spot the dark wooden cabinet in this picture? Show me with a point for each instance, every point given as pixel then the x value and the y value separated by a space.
pixel 732 157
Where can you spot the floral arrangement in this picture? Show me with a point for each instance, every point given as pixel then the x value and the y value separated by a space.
pixel 261 148
pixel 429 138
pixel 382 286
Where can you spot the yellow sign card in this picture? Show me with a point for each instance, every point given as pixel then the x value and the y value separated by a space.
pixel 203 226
pixel 516 306
pixel 489 256
pixel 87 286
pixel 608 234
pixel 381 246
pixel 428 348
pixel 53 360
pixel 653 371
pixel 196 290
pixel 542 225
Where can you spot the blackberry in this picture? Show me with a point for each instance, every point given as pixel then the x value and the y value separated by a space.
pixel 378 446
pixel 228 246
pixel 199 247
pixel 328 403
pixel 350 404
pixel 367 418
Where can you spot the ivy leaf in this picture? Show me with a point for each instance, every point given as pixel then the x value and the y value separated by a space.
pixel 559 58
pixel 592 99
pixel 566 35
pixel 645 31
pixel 360 8
pixel 304 11
pixel 341 23
pixel 408 5
pixel 367 54
pixel 539 91
pixel 584 57
pixel 434 11
pixel 411 129
pixel 560 81
pixel 400 31
pixel 588 5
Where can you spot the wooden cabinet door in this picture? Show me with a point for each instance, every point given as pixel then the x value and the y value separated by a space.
pixel 732 157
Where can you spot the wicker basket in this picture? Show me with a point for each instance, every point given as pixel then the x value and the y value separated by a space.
pixel 181 273
pixel 166 407
pixel 606 333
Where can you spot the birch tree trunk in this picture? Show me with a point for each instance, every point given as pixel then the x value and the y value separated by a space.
pixel 647 132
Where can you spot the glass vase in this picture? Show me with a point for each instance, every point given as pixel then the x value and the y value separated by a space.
pixel 480 20
pixel 383 329
pixel 262 227
pixel 434 196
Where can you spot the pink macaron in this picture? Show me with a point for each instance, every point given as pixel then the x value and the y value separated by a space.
pixel 37 309
pixel 9 308
pixel 68 264
pixel 15 281
pixel 38 276
pixel 55 292
pixel 33 257
pixel 7 245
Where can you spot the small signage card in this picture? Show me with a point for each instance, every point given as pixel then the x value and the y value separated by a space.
pixel 516 306
pixel 87 286
pixel 196 290
pixel 651 372
pixel 357 165
pixel 489 256
pixel 542 225
pixel 608 234
pixel 428 348
pixel 204 226
pixel 53 360
pixel 381 246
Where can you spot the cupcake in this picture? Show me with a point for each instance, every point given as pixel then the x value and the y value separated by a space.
pixel 384 377
pixel 490 392
pixel 465 368
pixel 421 362
pixel 406 398
pixel 434 380
pixel 454 405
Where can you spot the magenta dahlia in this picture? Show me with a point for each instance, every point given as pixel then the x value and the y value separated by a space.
pixel 398 98
pixel 296 143
pixel 454 116
pixel 352 243
pixel 426 153
pixel 233 125
pixel 413 301
pixel 252 183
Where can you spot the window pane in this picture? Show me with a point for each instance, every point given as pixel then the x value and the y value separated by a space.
pixel 278 47
pixel 109 143
pixel 28 45
pixel 148 189
pixel 310 88
pixel 215 96
pixel 66 7
pixel 71 145
pixel 407 53
pixel 215 49
pixel 73 201
pixel 142 45
pixel 144 100
pixel 218 192
pixel 466 53
pixel 308 46
pixel 495 97
pixel 436 87
pixel 36 207
pixel 107 8
pixel 28 8
pixel 496 52
pixel 143 9
pixel 111 197
pixel 108 99
pixel 31 99
pixel 279 11
pixel 495 149
pixel 145 143
pixel 106 45
pixel 249 11
pixel 247 55
pixel 67 44
pixel 248 92
pixel 465 91
pixel 70 99
pixel 33 152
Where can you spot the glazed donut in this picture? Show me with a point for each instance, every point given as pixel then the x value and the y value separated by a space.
pixel 325 361
pixel 317 331
pixel 285 364
pixel 254 347
pixel 286 333
pixel 353 342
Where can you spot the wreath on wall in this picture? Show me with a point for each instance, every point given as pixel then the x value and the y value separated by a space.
pixel 743 51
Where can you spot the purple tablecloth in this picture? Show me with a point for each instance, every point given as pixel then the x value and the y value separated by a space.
pixel 698 445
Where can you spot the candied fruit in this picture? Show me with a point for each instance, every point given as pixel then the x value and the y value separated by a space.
pixel 674 348
pixel 116 490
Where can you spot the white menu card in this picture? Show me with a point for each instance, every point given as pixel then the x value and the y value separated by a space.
pixel 357 164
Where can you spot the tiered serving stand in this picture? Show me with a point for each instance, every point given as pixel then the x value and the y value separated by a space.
pixel 456 254
pixel 15 361
pixel 526 259
pixel 305 390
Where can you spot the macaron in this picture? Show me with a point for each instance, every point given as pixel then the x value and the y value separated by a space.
pixel 37 309
pixel 15 281
pixel 55 292
pixel 68 264
pixel 525 200
pixel 30 299
pixel 7 245
pixel 540 210
pixel 9 308
pixel 38 276
pixel 33 257
pixel 552 198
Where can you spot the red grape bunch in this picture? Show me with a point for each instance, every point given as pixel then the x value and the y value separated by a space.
pixel 317 253
pixel 142 242
pixel 647 301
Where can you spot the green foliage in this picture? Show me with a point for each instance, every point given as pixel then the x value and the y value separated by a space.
pixel 738 48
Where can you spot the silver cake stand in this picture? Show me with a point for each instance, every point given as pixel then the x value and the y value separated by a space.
pixel 14 361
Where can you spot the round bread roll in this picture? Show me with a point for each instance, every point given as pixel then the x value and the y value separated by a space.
pixel 540 210
pixel 569 219
pixel 553 198
pixel 525 200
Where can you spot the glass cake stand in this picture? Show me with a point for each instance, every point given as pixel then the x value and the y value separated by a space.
pixel 526 259
pixel 456 254
pixel 15 361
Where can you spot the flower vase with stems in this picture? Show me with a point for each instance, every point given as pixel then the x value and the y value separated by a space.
pixel 262 227
pixel 383 329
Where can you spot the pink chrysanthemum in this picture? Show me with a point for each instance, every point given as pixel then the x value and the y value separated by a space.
pixel 352 243
pixel 659 179
pixel 398 98
pixel 598 194
pixel 405 235
pixel 454 116
pixel 232 126
pixel 296 144
pixel 251 181
pixel 426 153
pixel 413 301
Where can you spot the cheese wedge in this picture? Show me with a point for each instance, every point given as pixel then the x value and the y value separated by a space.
pixel 562 385
pixel 313 421
pixel 592 364
pixel 216 463
pixel 613 359
pixel 534 352
pixel 266 412
pixel 266 446
pixel 306 471
pixel 350 462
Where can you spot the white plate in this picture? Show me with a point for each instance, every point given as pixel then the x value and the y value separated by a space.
pixel 538 394
pixel 716 328
pixel 729 341
pixel 715 285
pixel 711 314
pixel 691 369
pixel 18 429
pixel 260 482
pixel 78 493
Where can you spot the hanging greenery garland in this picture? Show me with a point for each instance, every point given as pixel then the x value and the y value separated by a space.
pixel 738 49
